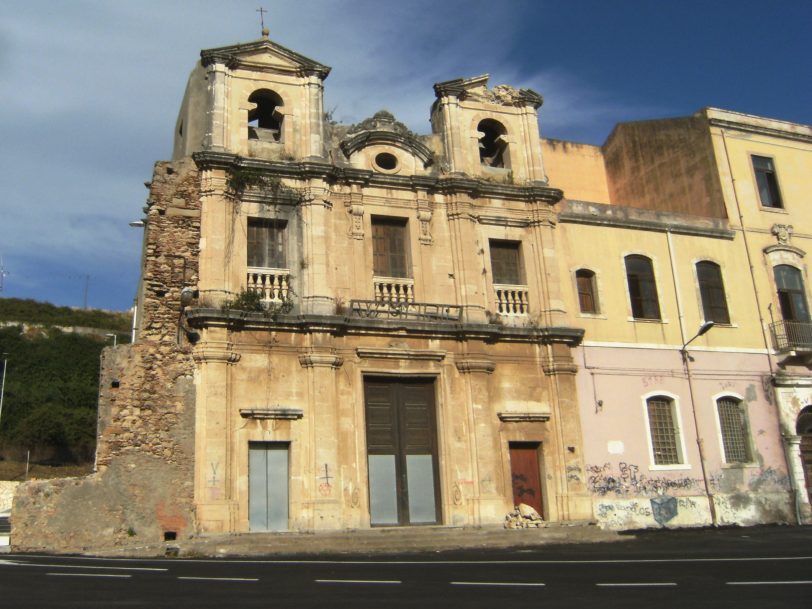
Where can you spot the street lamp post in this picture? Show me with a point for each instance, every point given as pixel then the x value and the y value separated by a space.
pixel 703 329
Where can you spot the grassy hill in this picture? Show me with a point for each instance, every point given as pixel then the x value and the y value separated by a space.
pixel 52 377
pixel 46 314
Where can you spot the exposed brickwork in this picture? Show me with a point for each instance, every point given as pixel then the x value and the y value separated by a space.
pixel 144 484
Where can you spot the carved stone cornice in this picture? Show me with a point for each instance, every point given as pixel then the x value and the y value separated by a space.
pixel 283 414
pixel 316 359
pixel 404 354
pixel 471 364
pixel 523 417
pixel 332 174
pixel 359 141
pixel 215 353
pixel 558 365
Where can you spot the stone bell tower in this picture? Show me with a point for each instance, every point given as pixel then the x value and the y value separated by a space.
pixel 256 99
pixel 489 133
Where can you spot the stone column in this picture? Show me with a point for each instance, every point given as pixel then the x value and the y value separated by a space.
pixel 214 497
pixel 468 259
pixel 489 484
pixel 314 147
pixel 216 123
pixel 792 450
pixel 325 484
pixel 315 290
pixel 573 501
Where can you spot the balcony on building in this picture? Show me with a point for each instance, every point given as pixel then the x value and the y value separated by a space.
pixel 792 336
pixel 273 285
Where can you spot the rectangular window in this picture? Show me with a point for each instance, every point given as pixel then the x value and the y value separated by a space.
pixel 642 287
pixel 587 300
pixel 665 442
pixel 712 292
pixel 266 243
pixel 506 263
pixel 767 182
pixel 390 247
pixel 735 430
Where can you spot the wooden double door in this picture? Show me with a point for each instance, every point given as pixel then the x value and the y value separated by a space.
pixel 401 434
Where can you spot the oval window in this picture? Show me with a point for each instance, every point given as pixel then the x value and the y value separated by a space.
pixel 386 161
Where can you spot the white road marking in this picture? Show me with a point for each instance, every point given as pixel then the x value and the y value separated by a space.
pixel 222 579
pixel 538 584
pixel 358 581
pixel 97 567
pixel 636 584
pixel 118 575
pixel 773 583
pixel 615 561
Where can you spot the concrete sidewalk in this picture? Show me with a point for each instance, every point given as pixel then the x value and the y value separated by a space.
pixel 395 540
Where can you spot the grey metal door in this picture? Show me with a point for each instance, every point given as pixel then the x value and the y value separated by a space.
pixel 268 486
pixel 402 452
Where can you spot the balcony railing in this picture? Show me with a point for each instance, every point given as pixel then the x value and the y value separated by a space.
pixel 393 289
pixel 272 284
pixel 511 300
pixel 421 311
pixel 792 335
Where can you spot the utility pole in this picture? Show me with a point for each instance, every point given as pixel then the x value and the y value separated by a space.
pixel 3 382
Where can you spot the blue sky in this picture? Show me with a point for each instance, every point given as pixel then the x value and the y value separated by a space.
pixel 89 92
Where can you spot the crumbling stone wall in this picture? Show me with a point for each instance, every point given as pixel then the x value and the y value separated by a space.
pixel 143 487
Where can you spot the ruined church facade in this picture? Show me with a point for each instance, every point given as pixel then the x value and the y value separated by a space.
pixel 376 322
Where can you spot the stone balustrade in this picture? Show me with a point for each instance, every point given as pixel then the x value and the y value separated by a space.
pixel 272 284
pixel 511 300
pixel 393 289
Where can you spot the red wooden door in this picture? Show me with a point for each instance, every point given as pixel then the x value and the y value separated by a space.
pixel 806 460
pixel 524 470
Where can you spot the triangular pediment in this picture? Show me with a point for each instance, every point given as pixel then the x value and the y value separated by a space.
pixel 263 55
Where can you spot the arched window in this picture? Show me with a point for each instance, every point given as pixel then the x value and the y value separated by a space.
pixel 712 292
pixel 265 121
pixel 791 293
pixel 666 445
pixel 587 291
pixel 492 143
pixel 642 287
pixel 735 430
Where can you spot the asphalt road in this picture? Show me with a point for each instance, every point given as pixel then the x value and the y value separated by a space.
pixel 768 568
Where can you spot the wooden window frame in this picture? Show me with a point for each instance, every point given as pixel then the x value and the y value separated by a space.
pixel 712 292
pixel 642 284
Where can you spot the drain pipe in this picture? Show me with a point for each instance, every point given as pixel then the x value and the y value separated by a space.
pixel 785 439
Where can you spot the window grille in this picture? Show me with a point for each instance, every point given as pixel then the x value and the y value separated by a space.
pixel 664 433
pixel 734 428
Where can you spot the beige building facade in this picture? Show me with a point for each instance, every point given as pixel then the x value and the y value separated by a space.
pixel 344 327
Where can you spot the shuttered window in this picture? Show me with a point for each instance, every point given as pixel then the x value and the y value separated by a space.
pixel 390 247
pixel 266 243
pixel 506 262
pixel 587 298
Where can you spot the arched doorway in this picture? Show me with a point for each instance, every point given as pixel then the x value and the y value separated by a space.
pixel 804 429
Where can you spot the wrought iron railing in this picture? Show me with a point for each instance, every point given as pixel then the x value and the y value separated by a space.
pixel 792 335
pixel 423 311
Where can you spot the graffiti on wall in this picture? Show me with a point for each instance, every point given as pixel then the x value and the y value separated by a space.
pixel 626 479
